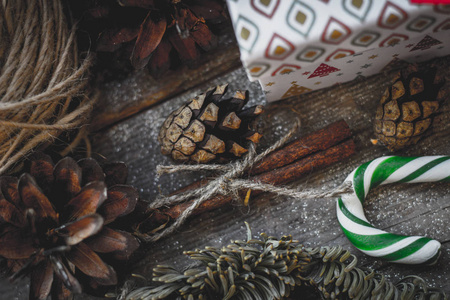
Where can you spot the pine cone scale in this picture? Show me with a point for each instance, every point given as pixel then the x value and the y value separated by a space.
pixel 149 37
pixel 41 168
pixel 195 132
pixel 67 177
pixel 186 48
pixel 34 198
pixel 91 196
pixel 183 118
pixel 115 173
pixel 77 231
pixel 203 37
pixel 121 201
pixel 88 262
pixel 91 171
pixel 9 190
pixel 41 280
pixel 12 248
pixel 10 214
pixel 121 243
pixel 429 107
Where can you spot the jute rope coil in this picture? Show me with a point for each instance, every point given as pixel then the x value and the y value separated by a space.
pixel 42 81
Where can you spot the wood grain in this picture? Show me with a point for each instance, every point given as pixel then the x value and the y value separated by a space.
pixel 152 91
pixel 421 209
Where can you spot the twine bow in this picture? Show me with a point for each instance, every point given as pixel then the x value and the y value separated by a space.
pixel 228 183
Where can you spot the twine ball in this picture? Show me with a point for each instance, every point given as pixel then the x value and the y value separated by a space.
pixel 42 80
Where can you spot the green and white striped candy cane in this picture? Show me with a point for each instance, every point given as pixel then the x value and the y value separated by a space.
pixel 379 243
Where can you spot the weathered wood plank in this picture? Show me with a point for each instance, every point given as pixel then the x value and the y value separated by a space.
pixel 422 209
pixel 121 99
pixel 407 209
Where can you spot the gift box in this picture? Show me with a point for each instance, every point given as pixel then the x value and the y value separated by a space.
pixel 294 47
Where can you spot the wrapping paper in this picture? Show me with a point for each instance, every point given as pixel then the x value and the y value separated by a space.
pixel 294 46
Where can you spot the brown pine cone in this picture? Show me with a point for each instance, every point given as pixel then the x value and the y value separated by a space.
pixel 157 33
pixel 56 224
pixel 408 106
pixel 207 128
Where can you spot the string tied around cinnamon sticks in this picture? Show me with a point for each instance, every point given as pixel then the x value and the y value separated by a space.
pixel 228 183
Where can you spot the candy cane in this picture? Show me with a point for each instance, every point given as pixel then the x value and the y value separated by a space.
pixel 379 243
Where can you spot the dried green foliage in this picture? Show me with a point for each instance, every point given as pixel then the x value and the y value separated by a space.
pixel 271 268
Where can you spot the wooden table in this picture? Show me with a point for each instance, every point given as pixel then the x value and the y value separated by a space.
pixel 130 112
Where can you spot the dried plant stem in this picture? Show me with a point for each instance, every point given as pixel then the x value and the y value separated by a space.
pixel 271 268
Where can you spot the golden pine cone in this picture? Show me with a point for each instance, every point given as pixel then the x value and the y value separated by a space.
pixel 407 107
pixel 207 128
pixel 55 224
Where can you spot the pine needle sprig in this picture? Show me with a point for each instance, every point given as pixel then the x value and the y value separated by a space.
pixel 271 268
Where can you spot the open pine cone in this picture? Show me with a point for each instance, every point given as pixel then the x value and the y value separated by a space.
pixel 55 224
pixel 157 33
pixel 208 128
pixel 409 105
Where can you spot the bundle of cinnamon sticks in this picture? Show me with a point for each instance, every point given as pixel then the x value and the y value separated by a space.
pixel 300 157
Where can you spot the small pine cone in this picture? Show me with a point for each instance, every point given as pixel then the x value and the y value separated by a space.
pixel 207 128
pixel 56 224
pixel 407 107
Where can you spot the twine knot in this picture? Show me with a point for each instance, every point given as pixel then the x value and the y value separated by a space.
pixel 228 183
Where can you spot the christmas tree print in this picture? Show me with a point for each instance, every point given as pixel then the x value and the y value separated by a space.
pixel 295 89
pixel 394 64
pixel 323 70
pixel 426 43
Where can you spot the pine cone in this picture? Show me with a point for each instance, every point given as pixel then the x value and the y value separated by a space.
pixel 207 128
pixel 154 33
pixel 408 106
pixel 55 224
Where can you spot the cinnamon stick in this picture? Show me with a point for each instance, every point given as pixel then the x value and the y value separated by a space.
pixel 318 140
pixel 278 176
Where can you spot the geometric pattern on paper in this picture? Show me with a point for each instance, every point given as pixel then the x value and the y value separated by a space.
pixel 310 54
pixel 357 8
pixel 323 70
pixel 420 23
pixel 335 32
pixel 426 43
pixel 294 90
pixel 339 53
pixel 247 33
pixel 279 48
pixel 322 31
pixel 365 38
pixel 442 8
pixel 393 40
pixel 257 69
pixel 391 16
pixel 285 69
pixel 300 17
pixel 443 26
pixel 265 7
